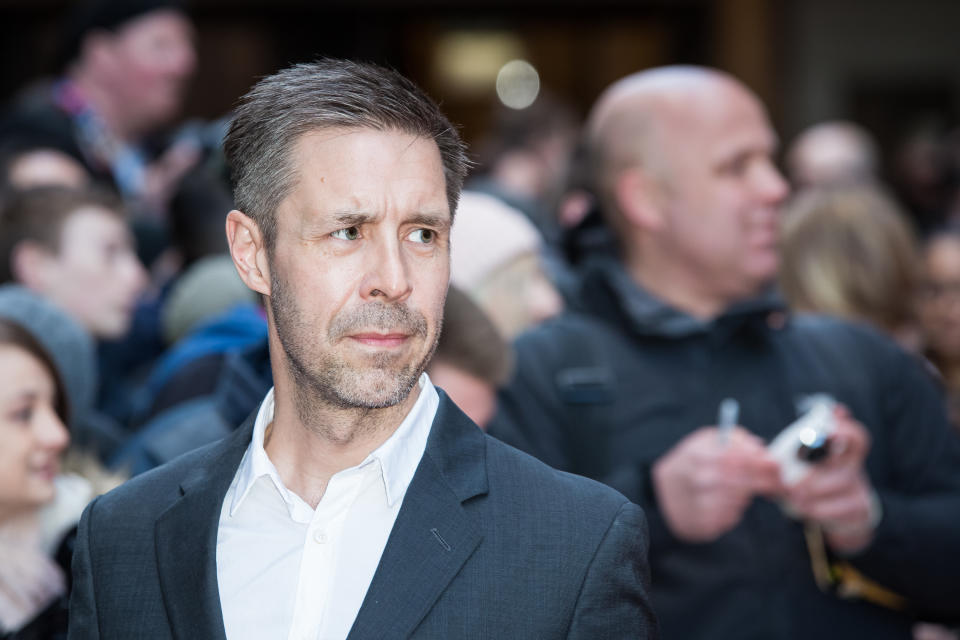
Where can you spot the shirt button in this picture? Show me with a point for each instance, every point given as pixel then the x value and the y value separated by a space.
pixel 320 537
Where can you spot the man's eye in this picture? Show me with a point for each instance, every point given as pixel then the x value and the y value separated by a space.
pixel 425 236
pixel 736 167
pixel 22 415
pixel 350 233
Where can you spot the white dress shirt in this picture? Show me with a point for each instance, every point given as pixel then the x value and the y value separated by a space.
pixel 286 570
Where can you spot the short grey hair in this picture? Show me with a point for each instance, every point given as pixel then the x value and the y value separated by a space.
pixel 325 94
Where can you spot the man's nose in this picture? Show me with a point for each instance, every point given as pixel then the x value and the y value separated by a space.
pixel 771 184
pixel 387 278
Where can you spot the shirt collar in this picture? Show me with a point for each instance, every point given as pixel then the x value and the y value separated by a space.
pixel 398 456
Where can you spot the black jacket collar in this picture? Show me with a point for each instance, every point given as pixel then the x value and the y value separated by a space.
pixel 608 290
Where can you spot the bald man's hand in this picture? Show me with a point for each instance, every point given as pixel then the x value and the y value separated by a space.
pixel 705 482
pixel 837 493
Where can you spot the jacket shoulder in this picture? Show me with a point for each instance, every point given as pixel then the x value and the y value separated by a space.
pixel 837 338
pixel 528 479
pixel 570 339
pixel 147 495
pixel 838 331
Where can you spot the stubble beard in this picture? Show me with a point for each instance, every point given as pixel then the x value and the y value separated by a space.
pixel 324 380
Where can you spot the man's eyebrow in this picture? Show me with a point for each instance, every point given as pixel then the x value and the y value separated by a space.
pixel 353 218
pixel 437 220
pixel 425 219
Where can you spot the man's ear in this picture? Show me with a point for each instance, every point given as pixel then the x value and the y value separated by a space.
pixel 249 251
pixel 639 198
pixel 33 265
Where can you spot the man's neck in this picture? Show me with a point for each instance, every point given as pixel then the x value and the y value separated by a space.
pixel 675 287
pixel 309 450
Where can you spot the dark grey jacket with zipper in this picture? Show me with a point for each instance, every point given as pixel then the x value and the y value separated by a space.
pixel 605 391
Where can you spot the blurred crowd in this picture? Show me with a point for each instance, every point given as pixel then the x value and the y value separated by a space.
pixel 127 337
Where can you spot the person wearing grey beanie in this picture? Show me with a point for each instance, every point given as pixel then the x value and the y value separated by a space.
pixel 70 347
pixel 72 351
pixel 47 379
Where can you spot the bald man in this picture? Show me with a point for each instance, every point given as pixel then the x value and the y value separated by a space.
pixel 628 391
pixel 832 153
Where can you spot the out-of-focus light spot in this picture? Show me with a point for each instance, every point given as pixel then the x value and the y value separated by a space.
pixel 518 84
pixel 468 61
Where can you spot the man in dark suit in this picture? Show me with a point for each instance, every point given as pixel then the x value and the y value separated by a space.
pixel 359 501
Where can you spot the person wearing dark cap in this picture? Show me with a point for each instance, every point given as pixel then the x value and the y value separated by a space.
pixel 126 65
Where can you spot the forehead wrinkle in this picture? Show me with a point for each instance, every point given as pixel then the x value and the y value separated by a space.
pixel 359 203
pixel 298 159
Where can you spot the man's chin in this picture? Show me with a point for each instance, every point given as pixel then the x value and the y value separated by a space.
pixel 378 388
pixel 764 269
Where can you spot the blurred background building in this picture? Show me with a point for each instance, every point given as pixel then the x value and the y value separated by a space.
pixel 889 65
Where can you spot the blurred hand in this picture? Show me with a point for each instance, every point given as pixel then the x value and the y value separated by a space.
pixel 837 494
pixel 704 483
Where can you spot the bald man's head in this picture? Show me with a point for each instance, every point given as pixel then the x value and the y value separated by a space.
pixel 641 115
pixel 682 162
pixel 833 153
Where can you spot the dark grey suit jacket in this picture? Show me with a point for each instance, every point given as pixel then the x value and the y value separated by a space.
pixel 488 543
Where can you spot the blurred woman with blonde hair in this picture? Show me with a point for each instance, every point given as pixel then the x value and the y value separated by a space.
pixel 850 252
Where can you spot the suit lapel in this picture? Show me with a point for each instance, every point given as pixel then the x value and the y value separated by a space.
pixel 186 542
pixel 433 535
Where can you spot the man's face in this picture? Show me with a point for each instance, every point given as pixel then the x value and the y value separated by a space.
pixel 31 433
pixel 150 60
pixel 95 275
pixel 47 167
pixel 721 192
pixel 360 265
pixel 475 396
pixel 939 297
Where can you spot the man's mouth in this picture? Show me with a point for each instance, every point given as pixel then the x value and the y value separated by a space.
pixel 382 340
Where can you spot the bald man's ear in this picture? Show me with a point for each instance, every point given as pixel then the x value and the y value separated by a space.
pixel 249 251
pixel 639 199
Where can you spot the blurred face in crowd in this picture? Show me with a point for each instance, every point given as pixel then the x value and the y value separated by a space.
pixel 46 167
pixel 475 396
pixel 32 436
pixel 939 297
pixel 360 265
pixel 146 64
pixel 519 295
pixel 719 190
pixel 95 275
